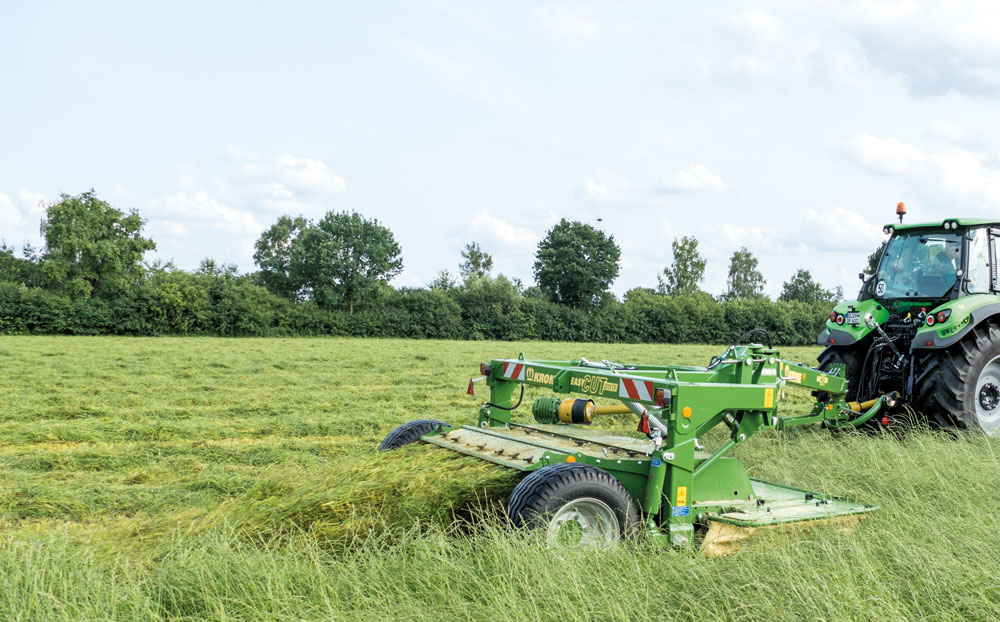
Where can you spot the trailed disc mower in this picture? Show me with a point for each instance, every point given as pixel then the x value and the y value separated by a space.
pixel 593 488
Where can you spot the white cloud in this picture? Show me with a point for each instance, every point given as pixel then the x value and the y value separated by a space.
pixel 9 213
pixel 604 188
pixel 937 45
pixel 285 184
pixel 409 279
pixel 202 212
pixel 20 218
pixel 947 130
pixel 499 229
pixel 695 178
pixel 968 175
pixel 744 236
pixel 787 51
pixel 573 24
pixel 289 176
pixel 885 155
pixel 174 228
pixel 839 229
pixel 764 27
pixel 957 172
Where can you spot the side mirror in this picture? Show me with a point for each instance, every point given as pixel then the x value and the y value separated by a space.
pixel 861 275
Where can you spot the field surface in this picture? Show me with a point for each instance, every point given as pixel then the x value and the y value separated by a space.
pixel 236 479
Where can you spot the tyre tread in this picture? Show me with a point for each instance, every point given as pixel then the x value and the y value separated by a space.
pixel 529 498
pixel 410 432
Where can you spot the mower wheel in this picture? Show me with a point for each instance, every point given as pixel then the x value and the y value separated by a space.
pixel 960 387
pixel 410 432
pixel 577 504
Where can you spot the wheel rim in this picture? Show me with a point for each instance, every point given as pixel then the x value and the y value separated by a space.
pixel 584 522
pixel 987 398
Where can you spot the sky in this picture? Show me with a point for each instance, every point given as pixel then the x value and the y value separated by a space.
pixel 792 128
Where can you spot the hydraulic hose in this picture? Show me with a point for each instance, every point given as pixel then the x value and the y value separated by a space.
pixel 519 400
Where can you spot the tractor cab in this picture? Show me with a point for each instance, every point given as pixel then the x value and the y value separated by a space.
pixel 919 265
pixel 926 265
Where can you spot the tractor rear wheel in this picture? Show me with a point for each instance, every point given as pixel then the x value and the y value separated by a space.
pixel 577 505
pixel 410 432
pixel 960 387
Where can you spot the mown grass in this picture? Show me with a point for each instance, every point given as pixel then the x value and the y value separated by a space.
pixel 220 479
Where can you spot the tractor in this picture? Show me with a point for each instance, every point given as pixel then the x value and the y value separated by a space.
pixel 925 327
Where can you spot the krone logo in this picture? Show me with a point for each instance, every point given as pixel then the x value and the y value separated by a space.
pixel 532 376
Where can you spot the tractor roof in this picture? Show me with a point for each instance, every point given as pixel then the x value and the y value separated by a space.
pixel 962 222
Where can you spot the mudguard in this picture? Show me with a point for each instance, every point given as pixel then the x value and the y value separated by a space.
pixel 966 314
pixel 848 334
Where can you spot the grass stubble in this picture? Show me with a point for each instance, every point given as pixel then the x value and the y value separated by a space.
pixel 224 479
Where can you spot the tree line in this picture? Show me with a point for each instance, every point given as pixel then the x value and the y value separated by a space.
pixel 332 277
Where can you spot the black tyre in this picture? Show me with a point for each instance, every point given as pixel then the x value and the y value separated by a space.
pixel 848 355
pixel 577 504
pixel 960 387
pixel 410 432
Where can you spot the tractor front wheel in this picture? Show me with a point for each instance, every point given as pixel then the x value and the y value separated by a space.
pixel 410 432
pixel 577 505
pixel 848 356
pixel 960 387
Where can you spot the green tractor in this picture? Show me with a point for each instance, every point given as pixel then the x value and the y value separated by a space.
pixel 926 326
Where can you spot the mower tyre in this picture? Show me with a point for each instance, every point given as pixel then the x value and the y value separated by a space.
pixel 577 504
pixel 960 387
pixel 410 432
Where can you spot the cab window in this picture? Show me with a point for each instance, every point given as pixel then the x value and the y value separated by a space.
pixel 979 262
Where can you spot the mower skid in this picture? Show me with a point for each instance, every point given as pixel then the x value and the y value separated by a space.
pixel 776 504
pixel 781 506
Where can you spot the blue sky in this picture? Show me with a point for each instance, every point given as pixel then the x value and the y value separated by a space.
pixel 792 128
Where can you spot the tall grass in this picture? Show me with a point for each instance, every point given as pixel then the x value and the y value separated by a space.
pixel 191 479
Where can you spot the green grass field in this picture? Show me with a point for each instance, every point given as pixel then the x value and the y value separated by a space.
pixel 236 479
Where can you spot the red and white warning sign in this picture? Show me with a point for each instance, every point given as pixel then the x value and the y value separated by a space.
pixel 636 390
pixel 514 371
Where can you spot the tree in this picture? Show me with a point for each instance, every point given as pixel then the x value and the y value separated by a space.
pixel 273 254
pixel 688 269
pixel 875 257
pixel 803 288
pixel 91 248
pixel 24 270
pixel 345 258
pixel 212 268
pixel 745 280
pixel 575 263
pixel 444 282
pixel 477 262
